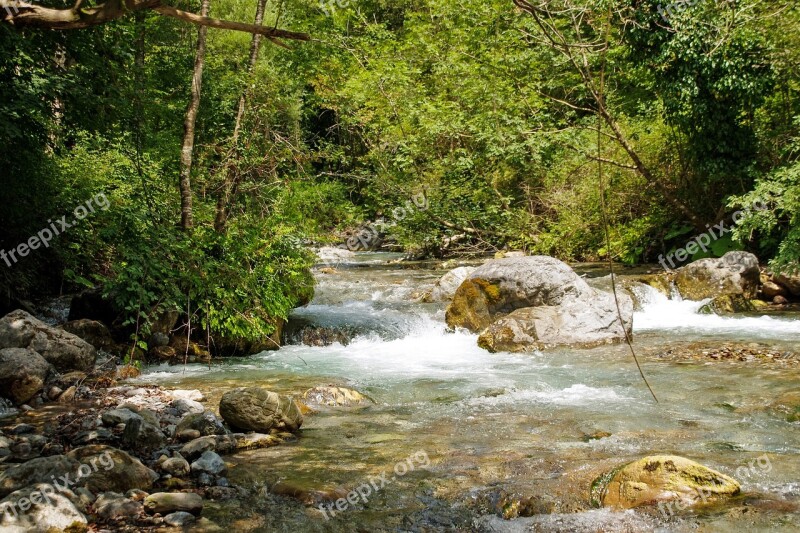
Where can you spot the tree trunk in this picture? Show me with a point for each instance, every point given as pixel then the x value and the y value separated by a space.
pixel 189 124
pixel 229 179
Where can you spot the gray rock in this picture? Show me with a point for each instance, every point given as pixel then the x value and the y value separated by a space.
pixel 39 470
pixel 733 274
pixel 206 423
pixel 209 463
pixel 38 509
pixel 179 519
pixel 114 506
pixel 94 332
pixel 446 287
pixel 118 416
pixel 257 409
pixel 195 395
pixel 187 435
pixel 183 406
pixel 176 466
pixel 170 502
pixel 63 350
pixel 158 340
pixel 215 443
pixel 525 303
pixel 21 429
pixel 538 328
pixel 112 470
pixel 791 282
pixel 23 373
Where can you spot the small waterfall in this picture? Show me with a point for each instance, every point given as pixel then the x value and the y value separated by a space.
pixel 659 312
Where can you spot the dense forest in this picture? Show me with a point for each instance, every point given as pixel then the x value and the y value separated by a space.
pixel 216 157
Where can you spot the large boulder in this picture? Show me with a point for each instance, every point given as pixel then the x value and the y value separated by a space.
pixel 733 273
pixel 94 332
pixel 65 351
pixel 39 509
pixel 789 281
pixel 571 324
pixel 446 287
pixel 662 478
pixel 111 470
pixel 23 373
pixel 256 409
pixel 40 470
pixel 524 303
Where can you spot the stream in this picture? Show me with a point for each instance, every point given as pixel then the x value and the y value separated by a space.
pixel 462 436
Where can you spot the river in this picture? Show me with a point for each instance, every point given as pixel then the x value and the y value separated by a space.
pixel 513 434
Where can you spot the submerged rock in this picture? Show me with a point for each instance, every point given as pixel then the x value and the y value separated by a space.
pixel 334 397
pixel 731 303
pixel 525 303
pixel 256 409
pixel 63 350
pixel 732 274
pixel 662 478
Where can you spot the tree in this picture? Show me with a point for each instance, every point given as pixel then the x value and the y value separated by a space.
pixel 229 182
pixel 189 123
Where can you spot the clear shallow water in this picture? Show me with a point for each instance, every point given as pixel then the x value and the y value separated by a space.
pixel 509 423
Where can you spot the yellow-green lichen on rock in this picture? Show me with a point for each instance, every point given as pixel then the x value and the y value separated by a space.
pixel 662 478
pixel 731 303
pixel 473 305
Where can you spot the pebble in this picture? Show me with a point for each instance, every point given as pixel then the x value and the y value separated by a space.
pixel 21 429
pixel 179 519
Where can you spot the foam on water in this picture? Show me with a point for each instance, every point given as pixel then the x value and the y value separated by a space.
pixel 663 314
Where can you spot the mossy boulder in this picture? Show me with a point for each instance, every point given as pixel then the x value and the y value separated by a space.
pixel 474 305
pixel 524 303
pixel 732 303
pixel 662 478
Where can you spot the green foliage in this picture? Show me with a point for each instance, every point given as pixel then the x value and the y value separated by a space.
pixel 461 100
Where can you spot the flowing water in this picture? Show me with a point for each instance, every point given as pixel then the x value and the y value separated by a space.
pixel 508 434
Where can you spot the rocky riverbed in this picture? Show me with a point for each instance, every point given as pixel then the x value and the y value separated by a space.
pixel 389 421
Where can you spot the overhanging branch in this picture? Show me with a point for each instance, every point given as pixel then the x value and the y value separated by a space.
pixel 23 14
